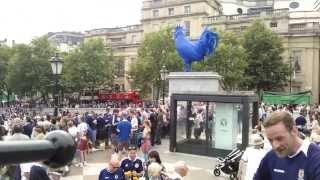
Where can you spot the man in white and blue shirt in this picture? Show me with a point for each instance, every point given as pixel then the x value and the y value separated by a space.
pixel 290 157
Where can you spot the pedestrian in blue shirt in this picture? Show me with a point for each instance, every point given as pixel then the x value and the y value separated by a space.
pixel 290 158
pixel 124 130
pixel 301 122
pixel 113 171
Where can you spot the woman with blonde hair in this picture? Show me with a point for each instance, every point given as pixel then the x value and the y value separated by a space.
pixel 146 145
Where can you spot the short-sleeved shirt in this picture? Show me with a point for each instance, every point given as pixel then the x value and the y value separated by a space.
pixel 117 175
pixel 124 128
pixel 305 165
pixel 129 165
pixel 301 121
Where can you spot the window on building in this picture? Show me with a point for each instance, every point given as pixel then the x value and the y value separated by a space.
pixel 155 13
pixel 171 11
pixel 298 26
pixel 187 9
pixel 115 39
pixel 243 28
pixel 119 67
pixel 155 27
pixel 170 24
pixel 296 61
pixel 133 39
pixel 273 24
pixel 187 27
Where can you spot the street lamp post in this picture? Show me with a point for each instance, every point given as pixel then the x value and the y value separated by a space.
pixel 56 65
pixel 163 73
pixel 290 79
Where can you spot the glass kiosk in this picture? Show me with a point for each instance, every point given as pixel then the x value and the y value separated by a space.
pixel 211 124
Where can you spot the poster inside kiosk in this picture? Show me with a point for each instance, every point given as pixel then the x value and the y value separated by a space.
pixel 226 126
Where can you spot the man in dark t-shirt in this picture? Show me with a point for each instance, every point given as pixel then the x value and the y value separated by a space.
pixel 113 171
pixel 301 122
pixel 290 157
pixel 132 165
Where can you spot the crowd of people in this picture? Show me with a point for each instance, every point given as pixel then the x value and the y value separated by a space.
pixel 120 131
pixel 285 143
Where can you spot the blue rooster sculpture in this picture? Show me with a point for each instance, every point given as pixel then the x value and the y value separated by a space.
pixel 194 51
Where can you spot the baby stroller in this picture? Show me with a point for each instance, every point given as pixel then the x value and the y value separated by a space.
pixel 229 165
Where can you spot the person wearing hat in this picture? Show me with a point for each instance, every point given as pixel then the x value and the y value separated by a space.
pixel 251 158
pixel 132 165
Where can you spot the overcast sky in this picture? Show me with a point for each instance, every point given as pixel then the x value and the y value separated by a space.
pixel 22 20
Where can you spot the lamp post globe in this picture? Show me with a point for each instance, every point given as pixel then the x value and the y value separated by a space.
pixel 56 66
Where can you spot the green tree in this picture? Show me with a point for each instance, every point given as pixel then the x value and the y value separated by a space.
pixel 42 51
pixel 266 70
pixel 229 61
pixel 5 54
pixel 29 69
pixel 156 50
pixel 21 77
pixel 89 66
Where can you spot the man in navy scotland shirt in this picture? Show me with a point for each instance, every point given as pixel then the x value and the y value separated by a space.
pixel 290 158
pixel 113 171
pixel 132 165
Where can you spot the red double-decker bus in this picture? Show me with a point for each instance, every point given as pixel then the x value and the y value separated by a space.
pixel 130 96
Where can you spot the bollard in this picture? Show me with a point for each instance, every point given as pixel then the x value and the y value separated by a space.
pixel 56 150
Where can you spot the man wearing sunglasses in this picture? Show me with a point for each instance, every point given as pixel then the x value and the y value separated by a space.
pixel 113 171
pixel 132 165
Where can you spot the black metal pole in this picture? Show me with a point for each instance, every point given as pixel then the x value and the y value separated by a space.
pixel 55 114
pixel 163 89
pixel 290 80
pixel 56 150
pixel 189 122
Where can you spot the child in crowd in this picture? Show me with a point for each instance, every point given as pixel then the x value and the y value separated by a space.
pixel 83 148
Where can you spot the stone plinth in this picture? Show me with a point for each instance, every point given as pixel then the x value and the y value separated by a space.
pixel 193 82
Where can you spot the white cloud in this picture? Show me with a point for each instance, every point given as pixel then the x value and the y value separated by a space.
pixel 22 20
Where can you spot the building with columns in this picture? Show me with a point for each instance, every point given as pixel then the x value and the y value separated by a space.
pixel 300 32
pixel 125 42
pixel 156 14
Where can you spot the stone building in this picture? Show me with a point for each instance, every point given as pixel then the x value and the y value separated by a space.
pixel 299 31
pixel 65 41
pixel 156 14
pixel 188 13
pixel 125 42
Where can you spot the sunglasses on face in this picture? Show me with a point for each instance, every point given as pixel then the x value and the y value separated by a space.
pixel 132 148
